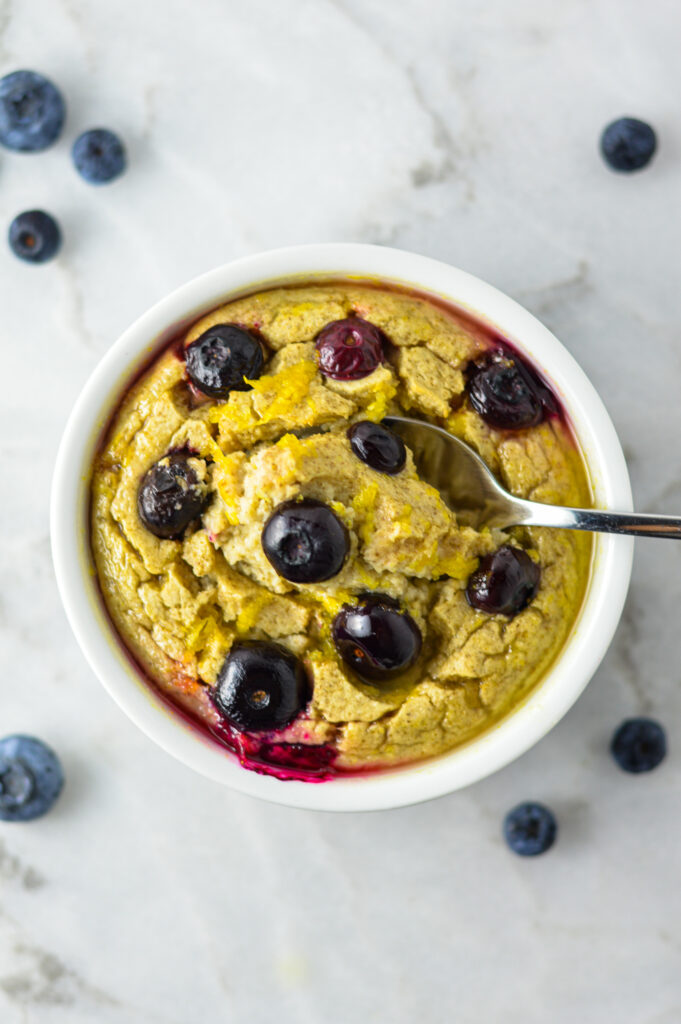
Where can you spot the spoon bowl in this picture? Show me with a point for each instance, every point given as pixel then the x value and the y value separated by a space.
pixel 469 487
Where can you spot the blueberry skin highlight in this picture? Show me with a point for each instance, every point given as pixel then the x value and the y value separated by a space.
pixel 504 583
pixel 222 359
pixel 34 236
pixel 262 686
pixel 350 349
pixel 628 144
pixel 170 496
pixel 530 829
pixel 375 638
pixel 504 392
pixel 31 778
pixel 32 112
pixel 378 447
pixel 639 745
pixel 99 156
pixel 305 541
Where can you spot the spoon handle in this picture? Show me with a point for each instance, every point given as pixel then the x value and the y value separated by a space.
pixel 536 514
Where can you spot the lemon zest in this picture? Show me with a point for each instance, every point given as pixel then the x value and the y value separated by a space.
pixel 201 633
pixel 332 603
pixel 292 444
pixel 251 609
pixel 364 505
pixel 287 388
pixel 458 566
pixel 403 520
pixel 341 511
pixel 378 406
pixel 226 464
pixel 367 576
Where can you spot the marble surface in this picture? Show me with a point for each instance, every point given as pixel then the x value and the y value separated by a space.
pixel 465 131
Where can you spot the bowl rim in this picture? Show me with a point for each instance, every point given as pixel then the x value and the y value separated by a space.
pixel 502 742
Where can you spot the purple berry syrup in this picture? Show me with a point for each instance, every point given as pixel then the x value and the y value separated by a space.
pixel 268 756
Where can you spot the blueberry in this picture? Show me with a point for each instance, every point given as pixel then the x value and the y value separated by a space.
pixel 170 496
pixel 349 349
pixel 98 156
pixel 261 686
pixel 31 111
pixel 223 358
pixel 530 829
pixel 639 745
pixel 504 583
pixel 31 778
pixel 34 236
pixel 375 638
pixel 378 447
pixel 505 392
pixel 305 541
pixel 628 144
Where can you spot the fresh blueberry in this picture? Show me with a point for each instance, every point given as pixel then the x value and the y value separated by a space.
pixel 350 349
pixel 375 638
pixel 31 778
pixel 305 541
pixel 378 447
pixel 261 686
pixel 504 583
pixel 170 496
pixel 505 392
pixel 628 144
pixel 530 829
pixel 223 359
pixel 34 236
pixel 98 156
pixel 31 111
pixel 639 745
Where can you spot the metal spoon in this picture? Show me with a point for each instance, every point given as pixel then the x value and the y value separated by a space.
pixel 469 488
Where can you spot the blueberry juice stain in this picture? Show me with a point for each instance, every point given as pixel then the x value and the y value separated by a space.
pixel 267 755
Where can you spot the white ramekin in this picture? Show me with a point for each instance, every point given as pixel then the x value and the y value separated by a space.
pixel 499 745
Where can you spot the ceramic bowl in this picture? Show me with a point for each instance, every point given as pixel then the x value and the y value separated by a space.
pixel 570 673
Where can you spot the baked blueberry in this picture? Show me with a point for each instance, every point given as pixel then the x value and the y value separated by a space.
pixel 34 236
pixel 530 829
pixel 98 156
pixel 31 111
pixel 504 583
pixel 628 144
pixel 223 358
pixel 379 447
pixel 375 638
pixel 170 496
pixel 31 778
pixel 261 686
pixel 305 541
pixel 639 745
pixel 349 349
pixel 505 392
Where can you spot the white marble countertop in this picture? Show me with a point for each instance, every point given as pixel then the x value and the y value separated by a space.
pixel 466 131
